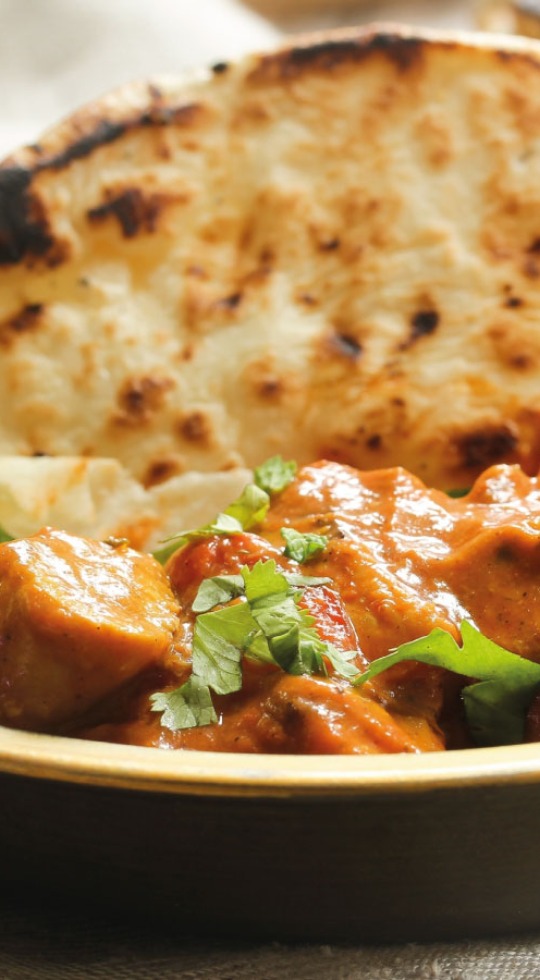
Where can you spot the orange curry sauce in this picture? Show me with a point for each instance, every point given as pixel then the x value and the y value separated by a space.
pixel 403 560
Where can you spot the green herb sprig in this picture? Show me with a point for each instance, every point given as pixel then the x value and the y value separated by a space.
pixel 243 514
pixel 267 625
pixel 496 705
pixel 302 547
pixel 274 475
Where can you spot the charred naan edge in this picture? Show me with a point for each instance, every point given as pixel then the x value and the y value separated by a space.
pixel 330 250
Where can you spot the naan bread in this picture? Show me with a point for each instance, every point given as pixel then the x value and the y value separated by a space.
pixel 328 251
pixel 99 498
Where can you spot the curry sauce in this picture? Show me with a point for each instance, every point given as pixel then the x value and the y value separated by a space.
pixel 399 560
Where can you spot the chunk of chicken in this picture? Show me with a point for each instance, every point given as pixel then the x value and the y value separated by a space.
pixel 78 619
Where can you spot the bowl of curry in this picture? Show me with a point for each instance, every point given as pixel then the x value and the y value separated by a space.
pixel 315 717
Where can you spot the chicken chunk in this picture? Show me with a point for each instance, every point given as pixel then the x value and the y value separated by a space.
pixel 78 619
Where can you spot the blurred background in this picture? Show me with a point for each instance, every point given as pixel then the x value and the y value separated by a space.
pixel 55 55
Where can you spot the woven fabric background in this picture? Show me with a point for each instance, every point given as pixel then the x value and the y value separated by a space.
pixel 52 946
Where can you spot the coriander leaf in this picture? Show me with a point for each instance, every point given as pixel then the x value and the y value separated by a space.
pixel 188 706
pixel 222 525
pixel 221 589
pixel 312 651
pixel 217 591
pixel 219 639
pixel 257 648
pixel 275 615
pixel 275 474
pixel 297 649
pixel 438 648
pixel 293 644
pixel 496 705
pixel 267 625
pixel 340 660
pixel 4 536
pixel 458 492
pixel 281 622
pixel 287 651
pixel 302 547
pixel 310 654
pixel 292 639
pixel 250 509
pixel 263 580
pixel 271 626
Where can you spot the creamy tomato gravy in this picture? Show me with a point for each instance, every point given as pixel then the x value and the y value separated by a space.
pixel 403 560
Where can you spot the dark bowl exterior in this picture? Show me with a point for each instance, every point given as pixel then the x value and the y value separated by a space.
pixel 433 863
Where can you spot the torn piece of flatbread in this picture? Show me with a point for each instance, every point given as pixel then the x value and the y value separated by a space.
pixel 332 250
pixel 99 498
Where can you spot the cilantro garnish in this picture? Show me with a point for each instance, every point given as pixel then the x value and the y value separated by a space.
pixel 275 474
pixel 243 514
pixel 4 536
pixel 458 492
pixel 188 706
pixel 248 511
pixel 251 507
pixel 267 624
pixel 302 547
pixel 496 705
pixel 217 591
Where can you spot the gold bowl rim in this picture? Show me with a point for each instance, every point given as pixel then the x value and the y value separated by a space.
pixel 155 770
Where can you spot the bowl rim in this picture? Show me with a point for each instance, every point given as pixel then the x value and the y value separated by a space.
pixel 182 772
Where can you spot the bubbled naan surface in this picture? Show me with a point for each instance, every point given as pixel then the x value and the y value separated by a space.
pixel 333 250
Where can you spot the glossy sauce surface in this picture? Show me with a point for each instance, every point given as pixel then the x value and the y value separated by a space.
pixel 402 560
